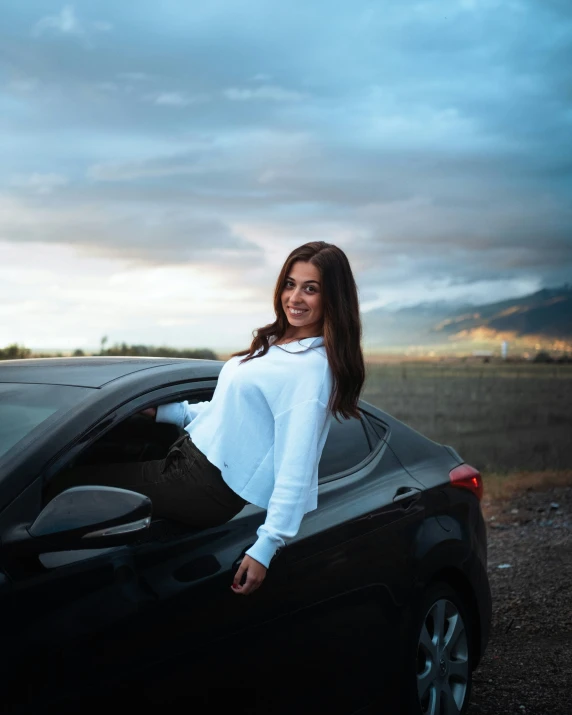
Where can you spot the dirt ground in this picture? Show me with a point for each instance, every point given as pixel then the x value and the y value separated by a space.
pixel 527 668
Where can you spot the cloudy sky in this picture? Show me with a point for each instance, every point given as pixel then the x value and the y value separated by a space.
pixel 160 160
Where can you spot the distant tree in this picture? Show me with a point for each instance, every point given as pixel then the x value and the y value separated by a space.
pixel 543 356
pixel 163 351
pixel 17 352
pixel 14 352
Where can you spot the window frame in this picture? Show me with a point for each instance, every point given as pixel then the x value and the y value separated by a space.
pixel 111 418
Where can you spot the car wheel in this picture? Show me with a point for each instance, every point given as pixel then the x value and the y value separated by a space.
pixel 438 656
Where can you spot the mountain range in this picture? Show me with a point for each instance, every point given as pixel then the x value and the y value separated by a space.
pixel 542 319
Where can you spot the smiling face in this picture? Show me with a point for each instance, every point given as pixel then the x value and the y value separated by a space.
pixel 302 301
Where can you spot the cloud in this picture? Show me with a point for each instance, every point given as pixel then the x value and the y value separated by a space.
pixel 84 297
pixel 224 166
pixel 430 140
pixel 39 183
pixel 108 86
pixel 264 93
pixel 23 85
pixel 134 76
pixel 175 99
pixel 68 23
pixel 143 169
pixel 154 236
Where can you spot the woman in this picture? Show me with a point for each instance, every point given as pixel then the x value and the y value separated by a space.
pixel 260 438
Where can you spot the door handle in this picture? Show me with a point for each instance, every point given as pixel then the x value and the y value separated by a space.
pixel 404 493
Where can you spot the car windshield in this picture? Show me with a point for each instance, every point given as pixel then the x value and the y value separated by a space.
pixel 24 407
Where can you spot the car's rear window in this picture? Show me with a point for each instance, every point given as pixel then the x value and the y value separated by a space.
pixel 23 408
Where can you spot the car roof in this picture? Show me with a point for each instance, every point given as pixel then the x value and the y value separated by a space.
pixel 88 371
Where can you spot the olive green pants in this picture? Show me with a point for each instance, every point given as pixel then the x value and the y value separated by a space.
pixel 184 486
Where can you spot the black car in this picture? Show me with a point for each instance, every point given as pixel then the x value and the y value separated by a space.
pixel 381 602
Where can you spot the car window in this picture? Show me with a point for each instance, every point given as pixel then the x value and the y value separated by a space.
pixel 24 407
pixel 347 445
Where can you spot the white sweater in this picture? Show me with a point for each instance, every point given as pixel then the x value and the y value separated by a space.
pixel 265 429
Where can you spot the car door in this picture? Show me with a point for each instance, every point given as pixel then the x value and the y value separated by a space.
pixel 95 610
pixel 180 582
pixel 48 601
pixel 346 569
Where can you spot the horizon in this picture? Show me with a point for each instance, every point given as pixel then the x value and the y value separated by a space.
pixel 488 341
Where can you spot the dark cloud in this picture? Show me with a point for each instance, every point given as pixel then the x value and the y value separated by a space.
pixel 159 236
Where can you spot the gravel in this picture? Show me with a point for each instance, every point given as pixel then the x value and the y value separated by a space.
pixel 527 667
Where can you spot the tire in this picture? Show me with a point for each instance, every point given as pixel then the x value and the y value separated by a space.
pixel 438 656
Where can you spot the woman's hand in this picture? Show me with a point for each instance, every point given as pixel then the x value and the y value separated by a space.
pixel 150 412
pixel 255 575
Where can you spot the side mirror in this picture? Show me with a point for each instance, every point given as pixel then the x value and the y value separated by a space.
pixel 83 518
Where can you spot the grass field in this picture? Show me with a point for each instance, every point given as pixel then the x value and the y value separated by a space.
pixel 500 417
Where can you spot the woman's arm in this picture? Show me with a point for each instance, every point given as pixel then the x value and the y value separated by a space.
pixel 180 413
pixel 297 435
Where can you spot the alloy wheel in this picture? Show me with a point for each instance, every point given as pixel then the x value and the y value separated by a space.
pixel 442 660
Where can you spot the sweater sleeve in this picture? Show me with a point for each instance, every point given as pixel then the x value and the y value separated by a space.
pixel 180 413
pixel 296 437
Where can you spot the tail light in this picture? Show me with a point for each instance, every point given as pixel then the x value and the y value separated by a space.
pixel 467 477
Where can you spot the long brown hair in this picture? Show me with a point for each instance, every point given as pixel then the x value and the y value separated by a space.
pixel 341 323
